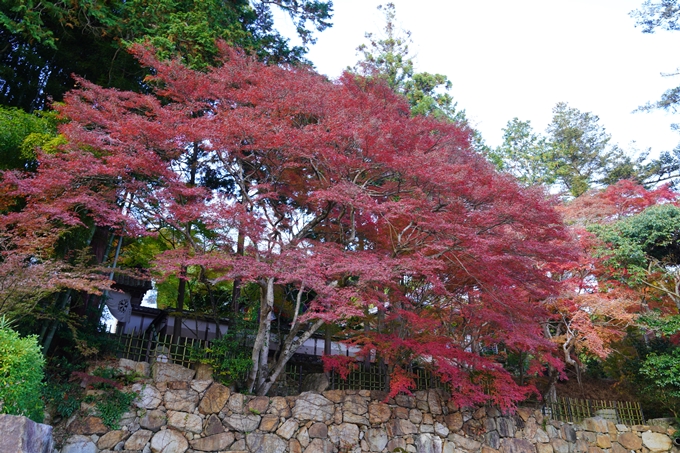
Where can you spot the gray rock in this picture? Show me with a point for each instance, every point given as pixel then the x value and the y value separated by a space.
pixel 265 443
pixel 530 429
pixel 426 428
pixel 434 400
pixel 440 429
pixel 346 434
pixel 552 432
pixel 88 425
pixel 398 442
pixel 215 442
pixel 604 441
pixel 128 419
pixel 630 441
pixel 213 426
pixel 199 385
pixel 492 411
pixel 454 421
pixel 183 400
pixel 448 447
pixel 294 446
pixel 415 415
pixel 111 439
pixel 542 436
pixel 22 435
pixel 236 403
pixel 314 407
pixel 214 399
pixel 581 446
pixel 465 442
pixel 138 440
pixel 378 412
pixel 427 443
pixel 318 430
pixel 489 424
pixel 130 366
pixel 239 445
pixel 568 433
pixel 288 428
pixel 596 424
pixel 493 440
pixel 319 446
pixel 168 372
pixel 75 444
pixel 315 382
pixel 506 426
pixel 406 401
pixel 377 439
pixel 349 417
pixel 184 421
pixel 303 437
pixel 258 405
pixel 153 420
pixel 517 446
pixel 243 423
pixel 407 427
pixel 559 446
pixel 355 404
pixel 279 406
pixel 148 396
pixel 169 441
pixel 269 423
pixel 656 441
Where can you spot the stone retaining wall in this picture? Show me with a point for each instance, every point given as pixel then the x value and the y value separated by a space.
pixel 175 414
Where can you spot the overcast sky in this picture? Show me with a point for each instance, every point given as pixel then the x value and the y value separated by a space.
pixel 518 58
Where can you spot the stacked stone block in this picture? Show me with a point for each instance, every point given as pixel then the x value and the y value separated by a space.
pixel 174 415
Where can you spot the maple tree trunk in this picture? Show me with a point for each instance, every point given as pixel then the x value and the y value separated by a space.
pixel 550 395
pixel 240 251
pixel 290 345
pixel 63 306
pixel 181 291
pixel 260 354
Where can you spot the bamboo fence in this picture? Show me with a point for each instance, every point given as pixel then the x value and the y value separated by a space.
pixel 575 410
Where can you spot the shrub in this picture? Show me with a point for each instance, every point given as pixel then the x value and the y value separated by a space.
pixel 63 397
pixel 228 358
pixel 21 374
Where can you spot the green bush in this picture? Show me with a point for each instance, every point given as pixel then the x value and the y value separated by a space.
pixel 63 397
pixel 21 374
pixel 227 357
pixel 112 405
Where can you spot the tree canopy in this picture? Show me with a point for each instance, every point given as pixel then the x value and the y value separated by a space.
pixel 319 178
pixel 44 43
pixel 575 154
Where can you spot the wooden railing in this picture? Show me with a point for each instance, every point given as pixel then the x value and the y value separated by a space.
pixel 575 410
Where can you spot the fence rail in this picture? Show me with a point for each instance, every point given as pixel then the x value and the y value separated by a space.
pixel 575 410
pixel 375 377
pixel 156 347
pixel 152 347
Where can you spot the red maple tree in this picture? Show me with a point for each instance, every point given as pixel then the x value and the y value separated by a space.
pixel 275 175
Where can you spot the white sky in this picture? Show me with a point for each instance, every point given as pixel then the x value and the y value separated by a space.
pixel 510 58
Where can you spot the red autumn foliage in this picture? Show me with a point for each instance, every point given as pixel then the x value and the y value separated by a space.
pixel 389 220
pixel 623 199
pixel 341 364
